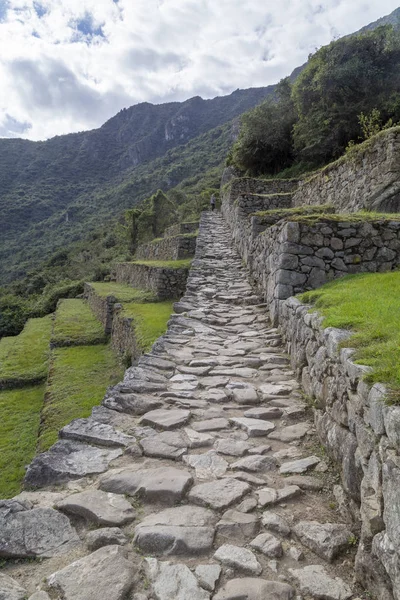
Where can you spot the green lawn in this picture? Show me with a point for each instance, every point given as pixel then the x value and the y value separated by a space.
pixel 122 292
pixel 166 264
pixel 78 379
pixel 24 358
pixel 75 324
pixel 19 426
pixel 369 305
pixel 150 321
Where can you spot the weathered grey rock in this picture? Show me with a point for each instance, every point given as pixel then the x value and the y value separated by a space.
pixel 313 580
pixel 10 589
pixel 289 452
pixel 249 588
pixel 276 523
pixel 106 536
pixel 185 530
pixel 247 505
pixel 132 404
pixel 219 494
pixel 98 507
pixel 269 496
pixel 295 553
pixel 164 445
pixel 196 439
pixel 68 460
pixel 247 395
pixel 255 463
pixel 166 419
pixel 265 414
pixel 208 576
pixel 105 573
pixel 89 430
pixel 305 482
pixel 37 532
pixel 263 449
pixel 174 581
pixel 299 466
pixel 325 539
pixel 268 545
pixel 211 425
pixel 385 553
pixel 238 525
pixel 253 427
pixel 165 485
pixel 208 465
pixel 37 596
pixel 231 447
pixel 291 432
pixel 239 558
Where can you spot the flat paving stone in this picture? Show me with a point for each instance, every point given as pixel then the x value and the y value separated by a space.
pixel 299 466
pixel 172 581
pixel 249 588
pixel 267 544
pixel 269 496
pixel 98 507
pixel 211 425
pixel 168 444
pixel 196 439
pixel 166 419
pixel 276 523
pixel 231 447
pixel 253 427
pixel 305 482
pixel 11 589
pixel 238 558
pixel 313 580
pixel 219 494
pixel 327 540
pixel 105 573
pixel 106 536
pixel 264 413
pixel 291 432
pixel 208 465
pixel 270 389
pixel 255 463
pixel 132 404
pixel 247 395
pixel 187 530
pixel 165 485
pixel 238 525
pixel 208 576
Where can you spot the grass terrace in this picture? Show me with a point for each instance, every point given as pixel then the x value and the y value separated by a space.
pixel 76 325
pixel 24 358
pixel 149 320
pixel 19 426
pixel 165 264
pixel 288 213
pixel 369 306
pixel 122 292
pixel 77 381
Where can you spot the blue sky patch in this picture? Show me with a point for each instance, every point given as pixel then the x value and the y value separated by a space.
pixel 39 9
pixel 86 26
pixel 4 4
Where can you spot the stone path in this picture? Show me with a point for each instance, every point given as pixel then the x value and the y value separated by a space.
pixel 199 477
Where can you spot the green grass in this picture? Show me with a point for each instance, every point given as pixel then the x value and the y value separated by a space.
pixel 166 264
pixel 294 212
pixel 76 325
pixel 150 321
pixel 368 305
pixel 19 426
pixel 24 358
pixel 357 217
pixel 122 292
pixel 77 381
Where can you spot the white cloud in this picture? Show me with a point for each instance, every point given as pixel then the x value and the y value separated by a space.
pixel 68 65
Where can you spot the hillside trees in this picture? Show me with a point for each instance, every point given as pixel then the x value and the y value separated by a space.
pixel 348 88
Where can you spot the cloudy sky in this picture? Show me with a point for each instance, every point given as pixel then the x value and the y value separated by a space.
pixel 69 65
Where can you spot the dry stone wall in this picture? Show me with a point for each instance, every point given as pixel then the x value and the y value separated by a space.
pixel 181 229
pixel 177 247
pixel 360 432
pixel 103 307
pixel 123 337
pixel 367 179
pixel 164 282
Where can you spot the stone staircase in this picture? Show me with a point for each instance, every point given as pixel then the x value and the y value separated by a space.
pixel 200 477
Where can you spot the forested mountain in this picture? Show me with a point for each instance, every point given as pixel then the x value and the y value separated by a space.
pixel 55 192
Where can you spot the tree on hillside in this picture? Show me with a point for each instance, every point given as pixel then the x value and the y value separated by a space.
pixel 265 139
pixel 351 76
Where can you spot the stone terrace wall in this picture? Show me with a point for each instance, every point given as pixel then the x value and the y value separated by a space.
pixel 102 307
pixel 164 282
pixel 169 248
pixel 181 229
pixel 366 179
pixel 123 338
pixel 361 433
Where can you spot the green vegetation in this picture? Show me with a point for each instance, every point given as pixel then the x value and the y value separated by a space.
pixel 149 320
pixel 347 92
pixel 76 325
pixel 289 213
pixel 19 426
pixel 24 358
pixel 368 305
pixel 122 292
pixel 77 381
pixel 166 264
